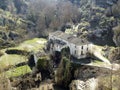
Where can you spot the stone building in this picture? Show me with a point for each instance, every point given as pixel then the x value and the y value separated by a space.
pixel 78 47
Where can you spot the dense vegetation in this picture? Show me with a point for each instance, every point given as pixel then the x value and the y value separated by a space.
pixel 20 20
pixel 38 18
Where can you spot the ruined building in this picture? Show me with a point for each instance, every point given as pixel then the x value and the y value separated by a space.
pixel 79 48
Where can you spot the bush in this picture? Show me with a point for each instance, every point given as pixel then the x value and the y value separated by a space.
pixel 16 51
pixel 44 65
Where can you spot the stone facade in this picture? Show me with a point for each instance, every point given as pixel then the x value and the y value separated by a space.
pixel 79 47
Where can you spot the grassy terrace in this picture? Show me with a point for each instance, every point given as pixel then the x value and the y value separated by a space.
pixel 9 60
pixel 36 45
pixel 18 71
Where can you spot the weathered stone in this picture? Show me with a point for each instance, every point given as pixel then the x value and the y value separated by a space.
pixel 90 84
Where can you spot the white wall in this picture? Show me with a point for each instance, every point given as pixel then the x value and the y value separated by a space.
pixel 74 50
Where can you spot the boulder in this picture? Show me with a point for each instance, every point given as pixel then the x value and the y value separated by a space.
pixel 90 84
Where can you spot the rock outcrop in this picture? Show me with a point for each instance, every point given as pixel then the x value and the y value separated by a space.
pixel 90 84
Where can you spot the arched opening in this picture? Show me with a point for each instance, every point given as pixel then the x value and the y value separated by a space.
pixel 57 58
pixel 65 52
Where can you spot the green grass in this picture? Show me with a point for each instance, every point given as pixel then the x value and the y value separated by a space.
pixel 36 44
pixel 9 60
pixel 22 70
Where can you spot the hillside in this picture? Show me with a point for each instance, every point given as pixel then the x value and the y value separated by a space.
pixel 32 57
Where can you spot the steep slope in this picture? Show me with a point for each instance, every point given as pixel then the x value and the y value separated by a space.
pixel 11 28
